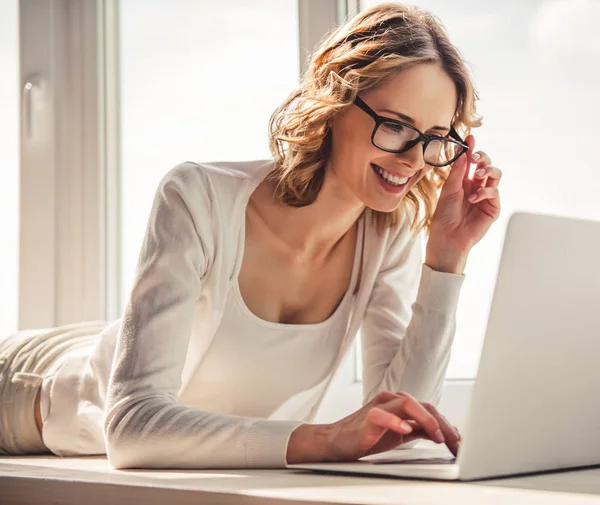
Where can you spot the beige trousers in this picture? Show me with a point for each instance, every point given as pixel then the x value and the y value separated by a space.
pixel 26 358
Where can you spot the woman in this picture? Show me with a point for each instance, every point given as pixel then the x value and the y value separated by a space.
pixel 254 277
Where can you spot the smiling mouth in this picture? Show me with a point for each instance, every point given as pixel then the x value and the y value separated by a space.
pixel 390 183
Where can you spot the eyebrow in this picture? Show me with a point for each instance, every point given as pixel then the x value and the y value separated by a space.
pixel 408 119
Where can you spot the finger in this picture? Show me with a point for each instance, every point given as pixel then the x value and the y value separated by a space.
pixel 465 160
pixel 462 158
pixel 470 141
pixel 489 175
pixel 456 176
pixel 454 428
pixel 480 158
pixel 419 433
pixel 415 425
pixel 388 420
pixel 383 397
pixel 459 435
pixel 491 194
pixel 450 434
pixel 409 406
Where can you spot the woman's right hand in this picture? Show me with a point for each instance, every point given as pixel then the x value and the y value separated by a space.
pixel 383 424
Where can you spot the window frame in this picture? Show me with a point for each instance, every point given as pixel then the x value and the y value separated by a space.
pixel 69 153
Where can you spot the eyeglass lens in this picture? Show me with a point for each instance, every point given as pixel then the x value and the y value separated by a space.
pixel 394 137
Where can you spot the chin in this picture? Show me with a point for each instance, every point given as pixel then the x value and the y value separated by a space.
pixel 377 206
pixel 385 202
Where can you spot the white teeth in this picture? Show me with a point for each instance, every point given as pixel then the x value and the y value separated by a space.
pixel 392 179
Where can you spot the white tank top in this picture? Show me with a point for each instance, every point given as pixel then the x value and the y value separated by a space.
pixel 265 356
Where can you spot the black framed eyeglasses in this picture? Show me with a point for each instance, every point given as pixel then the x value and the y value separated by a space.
pixel 394 136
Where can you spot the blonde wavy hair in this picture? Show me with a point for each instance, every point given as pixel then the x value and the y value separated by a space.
pixel 354 58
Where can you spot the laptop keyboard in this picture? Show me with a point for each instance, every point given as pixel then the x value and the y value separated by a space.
pixel 421 461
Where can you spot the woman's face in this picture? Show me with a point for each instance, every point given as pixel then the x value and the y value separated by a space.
pixel 425 94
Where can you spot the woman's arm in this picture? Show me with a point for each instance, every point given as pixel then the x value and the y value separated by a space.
pixel 407 347
pixel 145 426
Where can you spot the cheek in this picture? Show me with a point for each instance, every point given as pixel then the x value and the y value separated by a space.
pixel 360 160
pixel 352 151
pixel 356 145
pixel 423 174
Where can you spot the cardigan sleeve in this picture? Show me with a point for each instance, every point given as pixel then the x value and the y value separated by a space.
pixel 145 426
pixel 409 324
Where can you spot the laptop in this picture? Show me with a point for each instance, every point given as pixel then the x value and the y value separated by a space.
pixel 535 404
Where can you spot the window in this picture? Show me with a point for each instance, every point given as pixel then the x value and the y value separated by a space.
pixel 9 163
pixel 532 64
pixel 199 81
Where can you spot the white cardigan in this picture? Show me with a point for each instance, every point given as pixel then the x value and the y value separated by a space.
pixel 132 394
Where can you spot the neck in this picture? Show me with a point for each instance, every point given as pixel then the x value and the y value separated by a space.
pixel 313 231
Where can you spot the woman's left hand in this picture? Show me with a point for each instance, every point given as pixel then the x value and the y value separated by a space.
pixel 459 221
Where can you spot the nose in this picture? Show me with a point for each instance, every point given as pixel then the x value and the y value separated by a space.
pixel 413 157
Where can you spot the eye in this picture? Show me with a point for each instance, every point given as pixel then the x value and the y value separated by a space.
pixel 393 127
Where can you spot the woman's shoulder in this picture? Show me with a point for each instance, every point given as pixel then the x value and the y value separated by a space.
pixel 222 175
pixel 221 185
pixel 214 193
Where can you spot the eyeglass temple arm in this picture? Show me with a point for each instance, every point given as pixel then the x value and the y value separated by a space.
pixel 454 134
pixel 362 105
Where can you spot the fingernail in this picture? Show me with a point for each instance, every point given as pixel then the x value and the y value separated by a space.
pixel 405 426
pixel 481 171
pixel 439 437
pixel 475 156
pixel 472 197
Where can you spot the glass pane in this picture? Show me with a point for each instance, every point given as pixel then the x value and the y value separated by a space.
pixel 532 63
pixel 9 163
pixel 190 72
